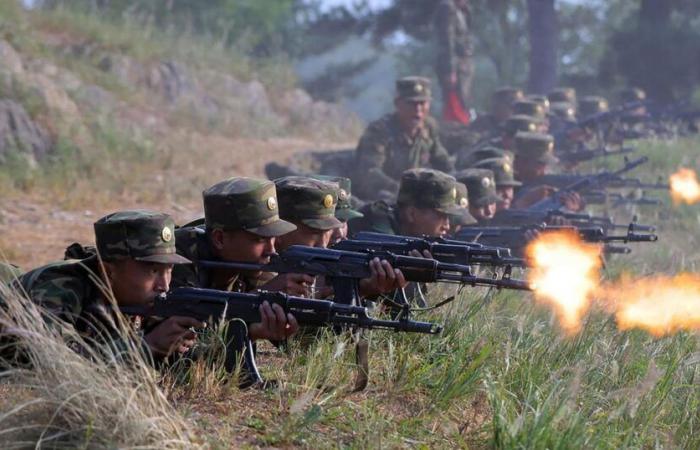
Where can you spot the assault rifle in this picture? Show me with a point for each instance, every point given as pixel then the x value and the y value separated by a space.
pixel 564 179
pixel 344 270
pixel 516 237
pixel 617 199
pixel 212 306
pixel 443 250
pixel 522 217
pixel 596 181
pixel 584 154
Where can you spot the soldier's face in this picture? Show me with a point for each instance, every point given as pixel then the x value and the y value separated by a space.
pixel 412 113
pixel 137 282
pixel 485 212
pixel 529 170
pixel 424 221
pixel 242 246
pixel 507 194
pixel 339 233
pixel 305 235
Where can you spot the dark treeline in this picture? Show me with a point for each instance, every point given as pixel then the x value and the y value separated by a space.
pixel 596 46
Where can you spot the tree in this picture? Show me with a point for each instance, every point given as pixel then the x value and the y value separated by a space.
pixel 543 32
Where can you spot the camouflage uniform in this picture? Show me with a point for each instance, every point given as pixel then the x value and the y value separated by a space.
pixel 385 151
pixel 454 49
pixel 234 204
pixel 502 169
pixel 71 291
pixel 422 188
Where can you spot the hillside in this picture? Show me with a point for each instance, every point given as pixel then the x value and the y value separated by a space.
pixel 98 115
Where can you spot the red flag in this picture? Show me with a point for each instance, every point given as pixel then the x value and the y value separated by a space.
pixel 454 111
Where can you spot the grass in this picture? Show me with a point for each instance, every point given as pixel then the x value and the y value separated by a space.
pixel 501 375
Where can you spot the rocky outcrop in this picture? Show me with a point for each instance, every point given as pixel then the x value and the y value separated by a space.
pixel 21 135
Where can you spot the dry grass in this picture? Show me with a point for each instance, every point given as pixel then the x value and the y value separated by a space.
pixel 66 400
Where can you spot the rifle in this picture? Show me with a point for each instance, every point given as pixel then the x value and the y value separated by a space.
pixel 344 270
pixel 444 250
pixel 212 306
pixel 598 180
pixel 515 237
pixel 617 199
pixel 584 154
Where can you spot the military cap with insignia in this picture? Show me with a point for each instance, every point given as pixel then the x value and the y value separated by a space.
pixel 563 110
pixel 243 203
pixel 535 147
pixel 520 122
pixel 562 94
pixel 140 235
pixel 506 95
pixel 428 188
pixel 541 99
pixel 308 201
pixel 344 210
pixel 462 201
pixel 487 153
pixel 502 169
pixel 591 105
pixel 413 88
pixel 529 108
pixel 633 94
pixel 481 186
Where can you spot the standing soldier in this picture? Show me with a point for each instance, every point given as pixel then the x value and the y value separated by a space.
pixel 454 65
pixel 402 140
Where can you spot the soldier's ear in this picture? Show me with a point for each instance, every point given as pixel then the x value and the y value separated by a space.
pixel 217 238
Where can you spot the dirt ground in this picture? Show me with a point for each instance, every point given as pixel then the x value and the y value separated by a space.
pixel 37 226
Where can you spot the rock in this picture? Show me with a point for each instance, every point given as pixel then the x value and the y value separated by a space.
pixel 303 110
pixel 53 96
pixel 172 80
pixel 125 69
pixel 95 98
pixel 20 134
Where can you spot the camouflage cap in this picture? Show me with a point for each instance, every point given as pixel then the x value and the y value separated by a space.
pixel 529 108
pixel 140 235
pixel 309 201
pixel 502 169
pixel 487 153
pixel 506 95
pixel 591 105
pixel 344 210
pixel 413 88
pixel 535 147
pixel 462 201
pixel 481 186
pixel 563 110
pixel 541 99
pixel 520 122
pixel 428 188
pixel 248 204
pixel 632 94
pixel 562 94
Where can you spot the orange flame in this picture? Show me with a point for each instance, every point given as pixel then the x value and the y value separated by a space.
pixel 660 305
pixel 564 274
pixel 685 187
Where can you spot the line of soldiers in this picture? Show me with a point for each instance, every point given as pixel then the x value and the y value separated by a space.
pixel 414 187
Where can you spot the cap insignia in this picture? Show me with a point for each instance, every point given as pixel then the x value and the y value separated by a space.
pixel 271 203
pixel 166 234
pixel 486 182
pixel 464 202
pixel 328 201
pixel 418 88
pixel 507 168
pixel 343 195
